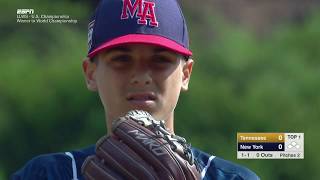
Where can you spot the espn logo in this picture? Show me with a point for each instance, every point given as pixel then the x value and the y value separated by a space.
pixel 25 11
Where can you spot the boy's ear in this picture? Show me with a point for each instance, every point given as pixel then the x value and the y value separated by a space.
pixel 187 70
pixel 89 69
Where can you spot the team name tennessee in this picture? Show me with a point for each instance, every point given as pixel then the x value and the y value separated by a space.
pixel 141 9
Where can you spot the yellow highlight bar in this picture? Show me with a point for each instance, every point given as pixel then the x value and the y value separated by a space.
pixel 260 137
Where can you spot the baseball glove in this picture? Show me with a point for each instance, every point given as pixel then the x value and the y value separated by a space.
pixel 141 148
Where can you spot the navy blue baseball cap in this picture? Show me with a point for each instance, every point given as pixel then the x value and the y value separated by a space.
pixel 156 22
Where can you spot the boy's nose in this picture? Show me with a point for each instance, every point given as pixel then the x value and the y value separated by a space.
pixel 141 78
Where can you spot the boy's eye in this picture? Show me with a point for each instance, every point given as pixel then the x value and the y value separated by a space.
pixel 120 61
pixel 162 60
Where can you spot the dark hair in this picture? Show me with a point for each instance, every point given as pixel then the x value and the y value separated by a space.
pixel 186 58
pixel 94 59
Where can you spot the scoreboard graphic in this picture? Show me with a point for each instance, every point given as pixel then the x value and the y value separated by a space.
pixel 270 145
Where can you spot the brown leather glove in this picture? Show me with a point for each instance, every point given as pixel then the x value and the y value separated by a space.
pixel 141 148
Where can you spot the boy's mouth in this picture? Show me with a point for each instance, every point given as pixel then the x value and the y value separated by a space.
pixel 143 100
pixel 143 96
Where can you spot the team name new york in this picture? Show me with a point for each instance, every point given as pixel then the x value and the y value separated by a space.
pixel 142 9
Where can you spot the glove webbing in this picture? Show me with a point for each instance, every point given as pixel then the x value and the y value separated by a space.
pixel 177 143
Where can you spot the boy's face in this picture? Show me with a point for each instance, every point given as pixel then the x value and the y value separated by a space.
pixel 138 76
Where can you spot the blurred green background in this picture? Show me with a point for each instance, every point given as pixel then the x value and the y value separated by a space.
pixel 256 69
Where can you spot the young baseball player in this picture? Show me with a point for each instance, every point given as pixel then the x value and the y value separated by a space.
pixel 138 58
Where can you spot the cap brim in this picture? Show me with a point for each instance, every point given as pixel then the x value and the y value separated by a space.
pixel 142 39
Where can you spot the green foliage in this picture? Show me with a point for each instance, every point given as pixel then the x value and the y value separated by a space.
pixel 240 83
pixel 2 174
pixel 44 104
